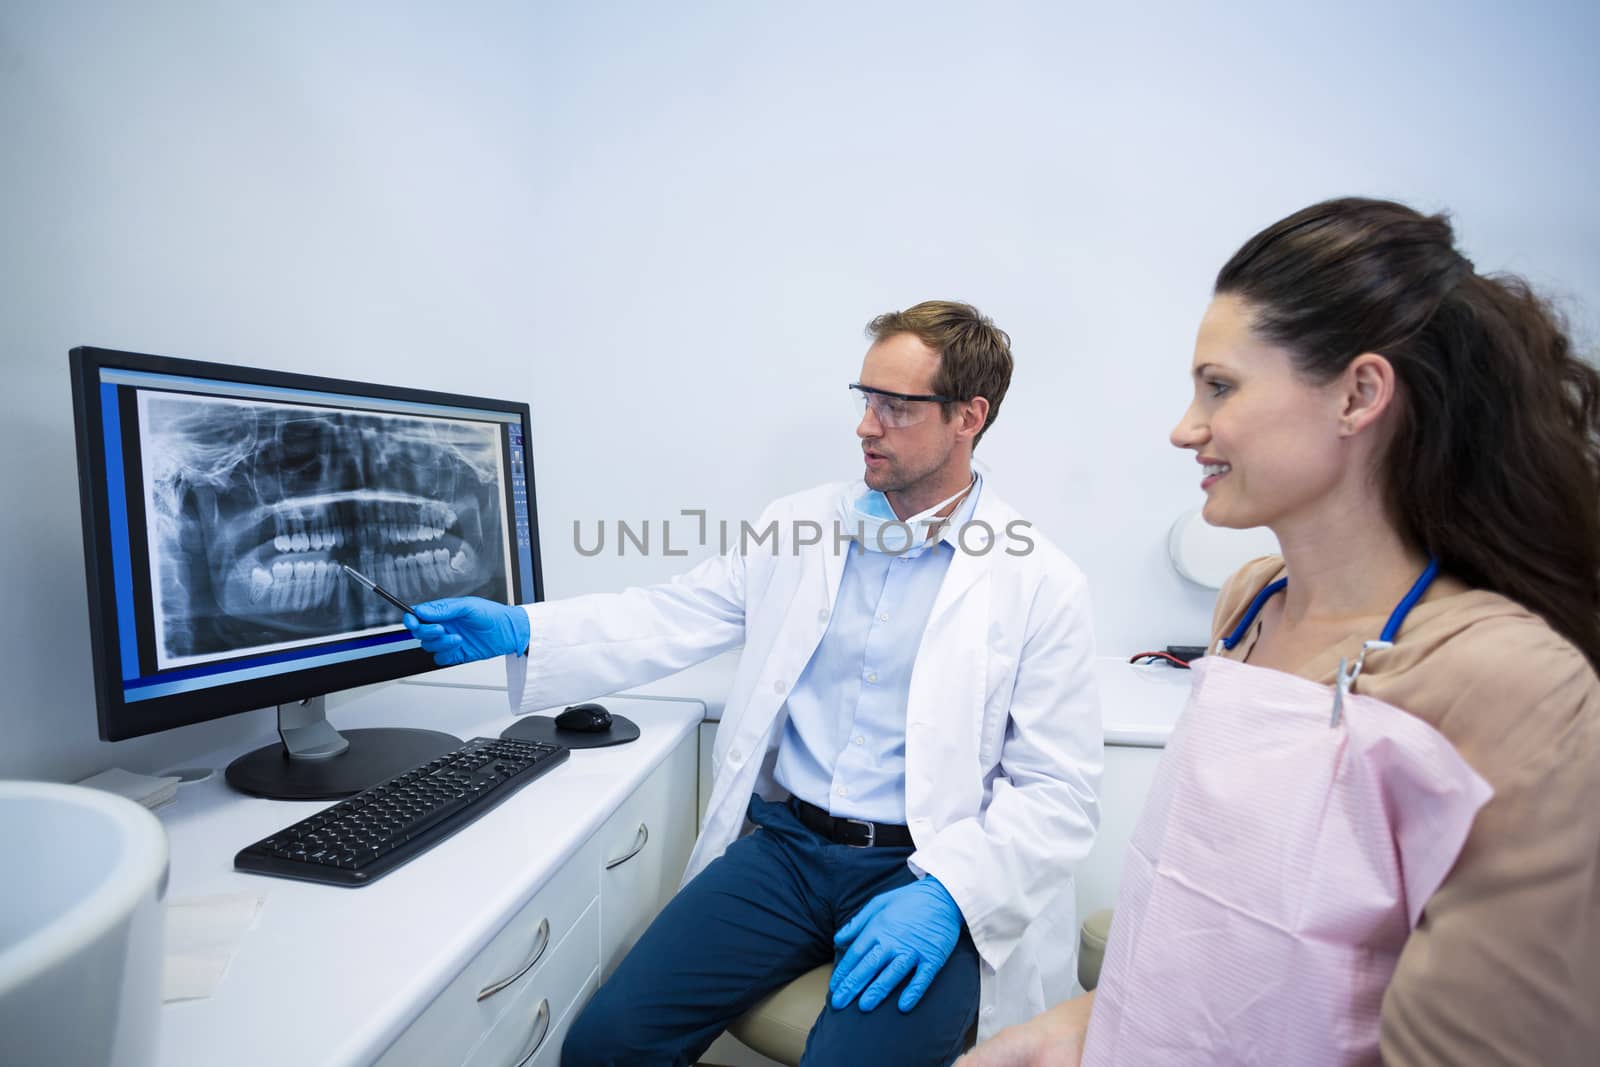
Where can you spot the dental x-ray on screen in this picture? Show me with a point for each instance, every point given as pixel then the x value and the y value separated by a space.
pixel 252 506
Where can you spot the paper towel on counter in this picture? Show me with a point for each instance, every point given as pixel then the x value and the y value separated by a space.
pixel 203 934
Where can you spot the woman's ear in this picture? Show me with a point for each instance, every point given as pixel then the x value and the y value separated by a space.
pixel 1368 386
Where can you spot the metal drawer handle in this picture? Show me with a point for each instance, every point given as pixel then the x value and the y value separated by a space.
pixel 543 939
pixel 642 838
pixel 542 1021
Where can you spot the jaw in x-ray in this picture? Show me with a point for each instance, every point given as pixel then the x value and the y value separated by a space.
pixel 252 507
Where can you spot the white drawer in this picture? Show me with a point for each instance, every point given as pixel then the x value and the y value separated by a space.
pixel 548 1054
pixel 522 950
pixel 528 1028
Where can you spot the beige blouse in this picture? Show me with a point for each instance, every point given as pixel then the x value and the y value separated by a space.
pixel 1504 967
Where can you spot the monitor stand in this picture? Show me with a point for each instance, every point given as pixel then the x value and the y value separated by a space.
pixel 317 762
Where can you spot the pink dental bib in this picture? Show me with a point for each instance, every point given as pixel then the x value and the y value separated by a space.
pixel 1277 870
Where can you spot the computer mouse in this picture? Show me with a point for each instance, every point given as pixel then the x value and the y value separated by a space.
pixel 584 718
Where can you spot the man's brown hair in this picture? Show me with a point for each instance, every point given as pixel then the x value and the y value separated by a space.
pixel 974 353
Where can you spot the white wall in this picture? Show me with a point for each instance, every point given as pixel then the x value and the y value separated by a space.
pixel 664 225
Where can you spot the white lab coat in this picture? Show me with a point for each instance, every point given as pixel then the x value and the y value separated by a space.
pixel 1003 730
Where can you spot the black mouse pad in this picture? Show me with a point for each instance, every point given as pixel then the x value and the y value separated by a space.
pixel 543 728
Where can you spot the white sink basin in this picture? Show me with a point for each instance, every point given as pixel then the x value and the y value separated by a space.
pixel 80 927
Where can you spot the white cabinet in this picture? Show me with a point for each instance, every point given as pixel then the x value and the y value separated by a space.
pixel 1141 707
pixel 515 961
pixel 1124 786
pixel 645 847
pixel 528 1032
pixel 512 1003
pixel 708 773
pixel 548 1052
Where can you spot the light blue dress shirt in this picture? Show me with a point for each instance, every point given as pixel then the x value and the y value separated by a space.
pixel 844 744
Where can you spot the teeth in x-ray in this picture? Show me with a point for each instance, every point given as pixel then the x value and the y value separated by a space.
pixel 423 574
pixel 295 585
pixel 337 537
pixel 396 539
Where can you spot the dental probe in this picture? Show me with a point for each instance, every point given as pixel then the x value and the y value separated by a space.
pixel 380 590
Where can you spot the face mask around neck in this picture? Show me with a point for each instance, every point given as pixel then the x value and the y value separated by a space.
pixel 868 518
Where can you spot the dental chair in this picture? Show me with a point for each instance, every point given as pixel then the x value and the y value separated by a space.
pixel 777 1026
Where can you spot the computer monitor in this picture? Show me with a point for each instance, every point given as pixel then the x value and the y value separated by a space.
pixel 219 503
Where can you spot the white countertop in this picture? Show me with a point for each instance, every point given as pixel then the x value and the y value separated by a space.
pixel 331 975
pixel 1140 704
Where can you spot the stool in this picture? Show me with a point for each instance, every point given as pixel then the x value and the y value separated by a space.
pixel 778 1025
pixel 1092 947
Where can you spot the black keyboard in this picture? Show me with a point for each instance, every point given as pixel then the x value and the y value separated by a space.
pixel 358 840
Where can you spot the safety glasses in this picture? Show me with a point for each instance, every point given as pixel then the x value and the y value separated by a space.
pixel 894 410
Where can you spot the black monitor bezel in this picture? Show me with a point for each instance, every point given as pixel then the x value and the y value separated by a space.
pixel 117 720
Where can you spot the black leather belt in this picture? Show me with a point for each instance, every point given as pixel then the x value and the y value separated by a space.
pixel 857 833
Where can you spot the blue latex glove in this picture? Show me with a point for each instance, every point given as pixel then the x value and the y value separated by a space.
pixel 910 929
pixel 465 628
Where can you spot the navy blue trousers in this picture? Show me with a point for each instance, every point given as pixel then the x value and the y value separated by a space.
pixel 762 914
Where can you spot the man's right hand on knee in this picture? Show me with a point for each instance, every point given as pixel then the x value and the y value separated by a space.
pixel 906 931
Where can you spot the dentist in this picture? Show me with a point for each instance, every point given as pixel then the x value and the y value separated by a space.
pixel 912 733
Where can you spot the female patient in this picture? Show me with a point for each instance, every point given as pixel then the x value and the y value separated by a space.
pixel 1398 731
